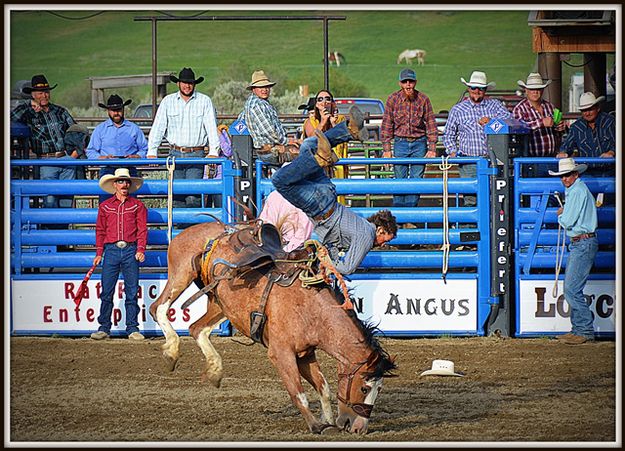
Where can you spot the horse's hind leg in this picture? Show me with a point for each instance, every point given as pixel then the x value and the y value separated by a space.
pixel 201 331
pixel 311 371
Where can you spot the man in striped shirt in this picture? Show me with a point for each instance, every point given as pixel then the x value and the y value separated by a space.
pixel 268 135
pixel 464 131
pixel 187 120
pixel 408 121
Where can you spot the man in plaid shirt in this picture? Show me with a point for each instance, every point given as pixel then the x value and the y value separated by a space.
pixel 47 123
pixel 464 131
pixel 408 121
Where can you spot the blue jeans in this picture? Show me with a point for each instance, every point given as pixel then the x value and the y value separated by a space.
pixel 303 182
pixel 468 171
pixel 406 149
pixel 58 173
pixel 578 265
pixel 187 172
pixel 114 261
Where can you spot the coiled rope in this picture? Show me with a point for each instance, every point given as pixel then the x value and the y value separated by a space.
pixel 171 165
pixel 446 247
pixel 559 252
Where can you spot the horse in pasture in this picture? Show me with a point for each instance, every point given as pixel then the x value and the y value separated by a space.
pixel 250 281
pixel 336 58
pixel 409 55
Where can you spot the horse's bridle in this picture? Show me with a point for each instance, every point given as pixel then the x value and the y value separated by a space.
pixel 362 409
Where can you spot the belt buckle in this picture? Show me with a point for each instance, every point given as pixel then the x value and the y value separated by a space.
pixel 121 244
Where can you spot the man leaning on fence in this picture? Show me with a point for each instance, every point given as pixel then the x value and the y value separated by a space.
pixel 187 120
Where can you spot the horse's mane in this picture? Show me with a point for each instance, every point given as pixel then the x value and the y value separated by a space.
pixel 385 364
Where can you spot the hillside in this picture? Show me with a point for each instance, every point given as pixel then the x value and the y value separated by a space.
pixel 70 46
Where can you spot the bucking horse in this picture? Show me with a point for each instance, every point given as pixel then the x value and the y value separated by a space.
pixel 282 301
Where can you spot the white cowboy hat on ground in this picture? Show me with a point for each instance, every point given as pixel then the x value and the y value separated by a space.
pixel 478 79
pixel 107 181
pixel 442 368
pixel 588 100
pixel 534 81
pixel 566 165
pixel 260 80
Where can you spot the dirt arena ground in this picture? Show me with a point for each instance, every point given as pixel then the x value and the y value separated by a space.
pixel 75 389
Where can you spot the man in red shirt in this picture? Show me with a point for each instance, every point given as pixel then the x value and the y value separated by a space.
pixel 409 122
pixel 121 236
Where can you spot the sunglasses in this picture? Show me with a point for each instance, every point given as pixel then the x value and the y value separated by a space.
pixel 479 88
pixel 326 98
pixel 123 182
pixel 408 81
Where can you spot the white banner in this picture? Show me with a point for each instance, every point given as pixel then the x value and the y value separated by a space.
pixel 540 312
pixel 398 305
pixel 418 305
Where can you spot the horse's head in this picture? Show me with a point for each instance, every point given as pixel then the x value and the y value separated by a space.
pixel 360 385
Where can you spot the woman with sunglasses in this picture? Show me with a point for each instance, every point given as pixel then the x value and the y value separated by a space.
pixel 323 117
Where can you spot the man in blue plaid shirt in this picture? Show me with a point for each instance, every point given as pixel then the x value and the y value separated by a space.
pixel 464 131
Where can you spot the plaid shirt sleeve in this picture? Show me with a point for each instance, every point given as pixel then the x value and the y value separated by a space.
pixel 430 124
pixel 386 130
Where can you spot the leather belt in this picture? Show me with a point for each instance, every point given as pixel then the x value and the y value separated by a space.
pixel 187 149
pixel 583 236
pixel 123 244
pixel 52 154
pixel 409 139
pixel 324 216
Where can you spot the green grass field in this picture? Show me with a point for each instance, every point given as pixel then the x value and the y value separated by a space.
pixel 291 52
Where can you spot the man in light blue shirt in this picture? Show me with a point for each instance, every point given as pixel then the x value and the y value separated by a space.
pixel 464 131
pixel 578 217
pixel 187 120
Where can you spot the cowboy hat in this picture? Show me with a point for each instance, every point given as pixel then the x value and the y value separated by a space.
pixel 115 102
pixel 38 83
pixel 186 75
pixel 309 106
pixel 260 80
pixel 566 165
pixel 588 100
pixel 534 81
pixel 107 181
pixel 442 368
pixel 478 79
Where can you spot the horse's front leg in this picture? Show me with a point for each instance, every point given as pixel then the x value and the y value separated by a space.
pixel 284 360
pixel 311 371
pixel 201 331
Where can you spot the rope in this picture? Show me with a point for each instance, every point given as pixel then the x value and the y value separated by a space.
pixel 207 256
pixel 170 194
pixel 446 247
pixel 559 252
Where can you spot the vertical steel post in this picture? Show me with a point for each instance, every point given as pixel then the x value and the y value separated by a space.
pixel 153 67
pixel 326 65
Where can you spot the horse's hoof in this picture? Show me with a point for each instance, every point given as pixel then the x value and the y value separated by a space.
pixel 213 379
pixel 321 428
pixel 170 363
pixel 330 429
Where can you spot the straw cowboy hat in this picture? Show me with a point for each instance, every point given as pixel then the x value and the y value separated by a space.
pixel 442 368
pixel 534 81
pixel 38 83
pixel 186 75
pixel 107 181
pixel 115 102
pixel 588 100
pixel 260 80
pixel 478 79
pixel 566 165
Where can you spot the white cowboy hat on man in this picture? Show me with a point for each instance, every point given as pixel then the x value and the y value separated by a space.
pixel 260 80
pixel 108 180
pixel 566 165
pixel 534 81
pixel 478 79
pixel 442 368
pixel 588 100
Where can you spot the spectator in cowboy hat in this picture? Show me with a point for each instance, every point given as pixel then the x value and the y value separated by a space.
pixel 48 124
pixel 578 217
pixel 538 114
pixel 116 137
pixel 592 135
pixel 268 135
pixel 188 119
pixel 121 238
pixel 464 132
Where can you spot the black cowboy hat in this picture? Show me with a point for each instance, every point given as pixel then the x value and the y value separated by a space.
pixel 308 106
pixel 186 75
pixel 115 102
pixel 38 83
